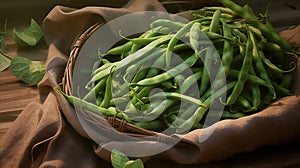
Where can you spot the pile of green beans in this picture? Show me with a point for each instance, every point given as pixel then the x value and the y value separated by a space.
pixel 141 82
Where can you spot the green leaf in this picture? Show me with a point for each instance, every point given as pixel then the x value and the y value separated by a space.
pixel 4 61
pixel 30 36
pixel 118 159
pixel 3 33
pixel 2 36
pixel 2 43
pixel 134 164
pixel 30 72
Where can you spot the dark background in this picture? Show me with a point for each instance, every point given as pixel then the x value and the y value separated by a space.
pixel 283 13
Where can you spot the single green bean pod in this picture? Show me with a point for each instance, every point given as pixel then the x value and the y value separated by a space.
pixel 244 72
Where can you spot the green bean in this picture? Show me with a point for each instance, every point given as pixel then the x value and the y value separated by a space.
pixel 95 90
pixel 274 50
pixel 153 71
pixel 104 66
pixel 206 94
pixel 101 74
pixel 238 10
pixel 168 74
pixel 229 115
pixel 247 63
pixel 167 23
pixel 144 41
pixel 213 36
pixel 142 93
pixel 131 71
pixel 224 16
pixel 105 61
pixel 179 79
pixel 99 99
pixel 179 96
pixel 257 33
pixel 236 25
pixel 140 75
pixel 139 43
pixel 158 110
pixel 117 101
pixel 205 29
pixel 156 67
pixel 272 66
pixel 199 113
pixel 222 9
pixel 168 85
pixel 286 81
pixel 188 112
pixel 256 96
pixel 210 54
pixel 142 55
pixel 136 57
pixel 243 103
pixel 272 35
pixel 120 49
pixel 227 55
pixel 189 81
pixel 259 65
pixel 159 63
pixel 251 78
pixel 108 91
pixel 135 102
pixel 208 62
pixel 180 33
pixel 267 30
pixel 241 36
pixel 155 125
pixel 98 63
pixel 122 90
pixel 174 121
pixel 84 105
pixel 154 111
pixel 214 25
pixel 195 37
pixel 170 118
pixel 281 90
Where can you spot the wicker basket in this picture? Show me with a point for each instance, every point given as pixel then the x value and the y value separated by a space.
pixel 120 125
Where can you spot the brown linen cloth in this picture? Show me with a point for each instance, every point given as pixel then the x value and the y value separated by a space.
pixel 49 134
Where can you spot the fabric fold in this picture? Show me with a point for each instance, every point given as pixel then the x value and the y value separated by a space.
pixel 49 133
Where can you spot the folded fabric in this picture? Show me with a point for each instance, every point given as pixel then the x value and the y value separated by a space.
pixel 49 133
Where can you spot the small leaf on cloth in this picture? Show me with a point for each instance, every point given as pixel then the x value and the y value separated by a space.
pixel 30 72
pixel 134 164
pixel 4 61
pixel 118 159
pixel 30 36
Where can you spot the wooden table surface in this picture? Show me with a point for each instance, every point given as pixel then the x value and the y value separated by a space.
pixel 15 95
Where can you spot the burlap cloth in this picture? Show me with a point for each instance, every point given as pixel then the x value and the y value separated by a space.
pixel 48 133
